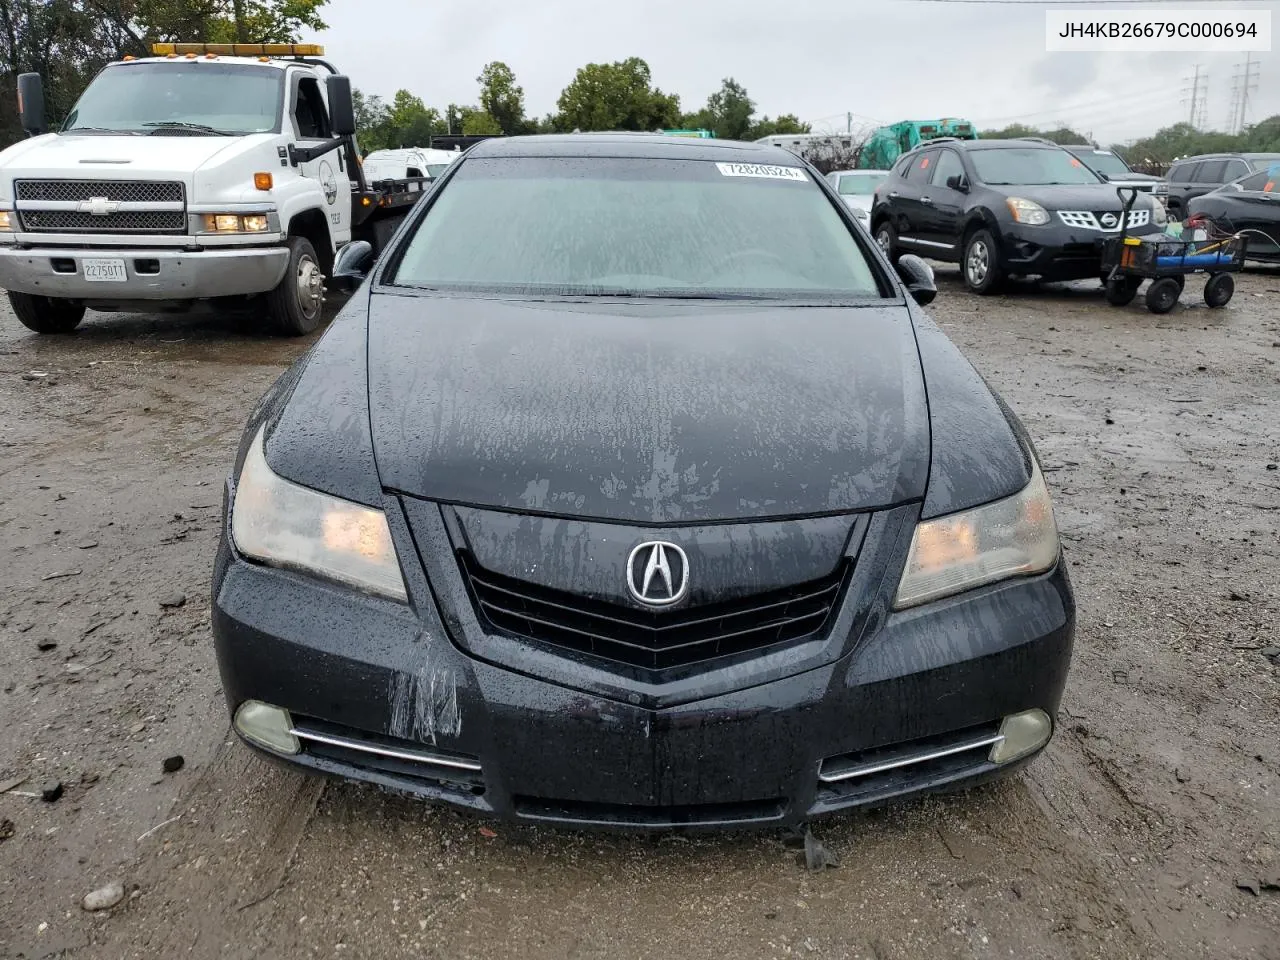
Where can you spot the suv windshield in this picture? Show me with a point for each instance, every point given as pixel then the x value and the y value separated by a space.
pixel 197 97
pixel 1105 162
pixel 635 228
pixel 1029 166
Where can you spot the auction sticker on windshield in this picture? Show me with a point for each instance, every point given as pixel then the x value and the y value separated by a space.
pixel 104 270
pixel 762 170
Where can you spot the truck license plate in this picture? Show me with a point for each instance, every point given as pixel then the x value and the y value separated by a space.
pixel 104 270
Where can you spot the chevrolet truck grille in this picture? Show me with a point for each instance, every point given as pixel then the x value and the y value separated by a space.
pixel 101 206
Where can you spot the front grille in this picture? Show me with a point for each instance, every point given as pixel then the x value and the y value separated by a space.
pixel 741 813
pixel 67 221
pixel 121 191
pixel 654 640
pixel 1088 220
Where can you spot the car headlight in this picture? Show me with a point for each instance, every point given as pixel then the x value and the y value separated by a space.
pixel 1013 537
pixel 1027 211
pixel 286 525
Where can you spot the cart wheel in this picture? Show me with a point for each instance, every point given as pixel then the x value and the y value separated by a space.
pixel 1180 280
pixel 1218 290
pixel 1162 295
pixel 1122 290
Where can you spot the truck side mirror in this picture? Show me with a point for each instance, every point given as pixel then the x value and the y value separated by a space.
pixel 31 104
pixel 342 109
pixel 352 265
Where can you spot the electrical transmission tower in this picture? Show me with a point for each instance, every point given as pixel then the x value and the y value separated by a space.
pixel 1197 95
pixel 1243 82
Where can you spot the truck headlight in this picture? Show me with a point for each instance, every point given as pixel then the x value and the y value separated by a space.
pixel 1027 211
pixel 287 525
pixel 236 223
pixel 5 222
pixel 1013 537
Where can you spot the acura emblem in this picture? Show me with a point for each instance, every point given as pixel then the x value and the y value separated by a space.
pixel 657 573
pixel 1109 220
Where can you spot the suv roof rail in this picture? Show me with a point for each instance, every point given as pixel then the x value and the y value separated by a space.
pixel 1040 140
pixel 931 140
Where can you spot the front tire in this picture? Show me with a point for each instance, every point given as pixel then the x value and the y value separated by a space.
pixel 297 302
pixel 980 263
pixel 887 241
pixel 47 315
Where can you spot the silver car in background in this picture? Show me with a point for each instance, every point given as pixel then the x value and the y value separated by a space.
pixel 856 188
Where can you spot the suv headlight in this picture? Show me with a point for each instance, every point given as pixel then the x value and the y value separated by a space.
pixel 287 525
pixel 1013 537
pixel 1027 211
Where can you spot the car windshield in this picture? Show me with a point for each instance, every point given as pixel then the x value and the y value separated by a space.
pixel 182 98
pixel 860 183
pixel 1029 166
pixel 1106 162
pixel 636 228
pixel 435 169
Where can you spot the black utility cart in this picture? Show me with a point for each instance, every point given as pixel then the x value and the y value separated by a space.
pixel 1166 261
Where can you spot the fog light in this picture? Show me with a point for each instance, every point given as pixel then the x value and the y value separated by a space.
pixel 267 726
pixel 1023 733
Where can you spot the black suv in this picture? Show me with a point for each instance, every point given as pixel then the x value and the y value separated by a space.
pixel 1002 208
pixel 1195 176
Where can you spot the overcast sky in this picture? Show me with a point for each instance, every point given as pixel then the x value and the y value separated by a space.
pixel 883 60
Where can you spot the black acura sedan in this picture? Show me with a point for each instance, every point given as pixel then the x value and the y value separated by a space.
pixel 633 489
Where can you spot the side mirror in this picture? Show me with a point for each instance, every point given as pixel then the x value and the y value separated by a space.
pixel 957 182
pixel 31 104
pixel 918 278
pixel 342 108
pixel 352 265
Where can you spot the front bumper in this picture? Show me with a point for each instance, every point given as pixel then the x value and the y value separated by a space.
pixel 379 693
pixel 1054 251
pixel 151 273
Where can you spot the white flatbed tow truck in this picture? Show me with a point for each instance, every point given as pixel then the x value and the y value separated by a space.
pixel 208 173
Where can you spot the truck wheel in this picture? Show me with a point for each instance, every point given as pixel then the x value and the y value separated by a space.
pixel 295 305
pixel 46 314
pixel 980 263
pixel 1218 290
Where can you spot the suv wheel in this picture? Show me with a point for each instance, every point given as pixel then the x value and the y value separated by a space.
pixel 887 241
pixel 980 263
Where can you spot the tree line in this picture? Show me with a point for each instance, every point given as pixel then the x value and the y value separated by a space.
pixel 601 96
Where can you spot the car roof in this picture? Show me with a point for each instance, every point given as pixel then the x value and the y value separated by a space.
pixel 1229 156
pixel 648 146
pixel 1005 145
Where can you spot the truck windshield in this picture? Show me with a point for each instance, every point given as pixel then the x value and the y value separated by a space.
pixel 181 98
pixel 688 229
pixel 1029 166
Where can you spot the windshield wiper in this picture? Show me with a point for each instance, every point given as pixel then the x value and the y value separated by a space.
pixel 204 128
pixel 131 133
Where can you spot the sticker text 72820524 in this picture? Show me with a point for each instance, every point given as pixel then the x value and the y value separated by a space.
pixel 766 170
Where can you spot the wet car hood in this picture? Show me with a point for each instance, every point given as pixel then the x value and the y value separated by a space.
pixel 661 412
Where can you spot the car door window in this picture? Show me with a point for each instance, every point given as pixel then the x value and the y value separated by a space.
pixel 1210 171
pixel 1183 173
pixel 1261 182
pixel 922 167
pixel 949 165
pixel 1235 168
pixel 310 118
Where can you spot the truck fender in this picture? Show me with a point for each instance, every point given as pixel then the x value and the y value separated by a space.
pixel 313 224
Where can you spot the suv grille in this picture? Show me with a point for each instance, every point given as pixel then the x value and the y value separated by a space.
pixel 68 221
pixel 1088 220
pixel 122 191
pixel 653 640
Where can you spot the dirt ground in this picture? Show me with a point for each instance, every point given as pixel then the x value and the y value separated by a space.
pixel 1128 838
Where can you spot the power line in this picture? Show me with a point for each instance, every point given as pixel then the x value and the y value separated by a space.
pixel 1127 98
